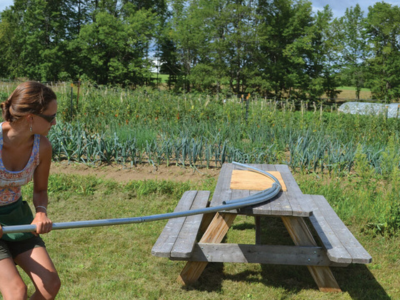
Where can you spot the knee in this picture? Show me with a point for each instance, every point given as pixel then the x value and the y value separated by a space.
pixel 22 292
pixel 55 284
pixel 17 290
pixel 51 286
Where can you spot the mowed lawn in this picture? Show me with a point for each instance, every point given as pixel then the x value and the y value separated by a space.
pixel 349 93
pixel 116 263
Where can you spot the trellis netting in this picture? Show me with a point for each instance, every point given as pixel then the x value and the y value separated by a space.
pixel 391 110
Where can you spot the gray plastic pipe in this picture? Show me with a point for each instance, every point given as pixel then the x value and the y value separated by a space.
pixel 257 198
pixel 264 193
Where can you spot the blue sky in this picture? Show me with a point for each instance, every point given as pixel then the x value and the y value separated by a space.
pixel 338 6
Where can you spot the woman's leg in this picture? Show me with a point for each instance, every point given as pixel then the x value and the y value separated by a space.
pixel 11 284
pixel 38 265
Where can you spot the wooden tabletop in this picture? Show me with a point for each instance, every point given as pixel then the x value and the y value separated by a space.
pixel 289 203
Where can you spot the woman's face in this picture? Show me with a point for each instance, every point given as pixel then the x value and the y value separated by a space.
pixel 43 122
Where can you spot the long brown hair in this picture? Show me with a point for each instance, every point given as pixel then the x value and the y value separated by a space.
pixel 30 97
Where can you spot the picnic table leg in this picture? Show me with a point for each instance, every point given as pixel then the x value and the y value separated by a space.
pixel 214 234
pixel 207 218
pixel 302 236
pixel 258 229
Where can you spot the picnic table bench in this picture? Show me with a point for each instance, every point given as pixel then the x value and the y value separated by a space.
pixel 197 239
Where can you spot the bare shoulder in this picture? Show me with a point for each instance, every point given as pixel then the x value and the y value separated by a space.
pixel 45 148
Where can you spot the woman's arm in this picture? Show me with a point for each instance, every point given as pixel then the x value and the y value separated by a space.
pixel 40 182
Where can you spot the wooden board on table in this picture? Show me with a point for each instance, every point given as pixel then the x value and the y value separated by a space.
pixel 340 243
pixel 167 238
pixel 248 180
pixel 296 198
pixel 222 192
pixel 186 239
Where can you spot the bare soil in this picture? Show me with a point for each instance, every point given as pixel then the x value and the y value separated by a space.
pixel 141 172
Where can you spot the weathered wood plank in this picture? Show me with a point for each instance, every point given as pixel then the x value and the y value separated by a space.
pixel 217 230
pixel 261 209
pixel 237 194
pixel 279 205
pixel 261 254
pixel 222 191
pixel 283 168
pixel 268 167
pixel 295 196
pixel 291 196
pixel 168 236
pixel 265 208
pixel 347 240
pixel 186 239
pixel 335 250
pixel 302 236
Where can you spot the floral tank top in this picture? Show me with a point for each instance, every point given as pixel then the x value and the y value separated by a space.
pixel 11 181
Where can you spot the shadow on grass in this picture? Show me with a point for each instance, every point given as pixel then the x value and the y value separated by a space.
pixel 210 280
pixel 359 282
pixel 243 226
pixel 355 279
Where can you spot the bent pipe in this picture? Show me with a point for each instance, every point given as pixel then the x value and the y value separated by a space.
pixel 255 199
pixel 266 192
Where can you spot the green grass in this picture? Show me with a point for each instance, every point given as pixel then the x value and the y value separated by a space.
pixel 115 262
pixel 162 78
pixel 352 88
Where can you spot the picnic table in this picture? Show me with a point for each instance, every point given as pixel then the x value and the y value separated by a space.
pixel 337 246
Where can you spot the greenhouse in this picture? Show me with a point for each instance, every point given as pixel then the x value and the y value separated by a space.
pixel 362 108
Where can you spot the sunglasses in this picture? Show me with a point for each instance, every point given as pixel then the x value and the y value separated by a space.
pixel 48 118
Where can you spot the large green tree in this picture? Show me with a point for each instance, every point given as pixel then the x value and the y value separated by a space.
pixel 9 62
pixel 353 41
pixel 383 27
pixel 323 57
pixel 285 44
pixel 216 42
pixel 114 47
pixel 36 38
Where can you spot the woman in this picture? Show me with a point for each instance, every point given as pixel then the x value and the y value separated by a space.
pixel 25 153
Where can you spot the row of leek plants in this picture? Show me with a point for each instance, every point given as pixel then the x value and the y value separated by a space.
pixel 74 143
pixel 303 149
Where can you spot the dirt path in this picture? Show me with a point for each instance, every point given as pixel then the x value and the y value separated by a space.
pixel 142 172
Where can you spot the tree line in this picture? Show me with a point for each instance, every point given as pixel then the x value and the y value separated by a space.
pixel 269 47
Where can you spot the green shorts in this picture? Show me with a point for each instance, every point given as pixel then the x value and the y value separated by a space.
pixel 13 249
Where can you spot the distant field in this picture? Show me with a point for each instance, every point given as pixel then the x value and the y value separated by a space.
pixel 162 78
pixel 352 88
pixel 349 93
